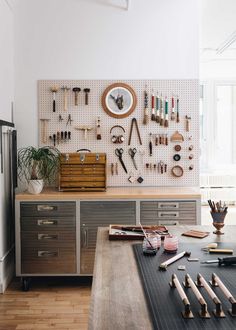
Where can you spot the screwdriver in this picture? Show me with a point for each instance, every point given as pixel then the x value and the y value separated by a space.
pixel 221 261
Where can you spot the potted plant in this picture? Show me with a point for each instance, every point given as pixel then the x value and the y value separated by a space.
pixel 38 166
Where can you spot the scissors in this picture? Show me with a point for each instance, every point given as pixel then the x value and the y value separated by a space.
pixel 119 153
pixel 132 152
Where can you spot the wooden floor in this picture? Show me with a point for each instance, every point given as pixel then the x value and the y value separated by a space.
pixel 50 304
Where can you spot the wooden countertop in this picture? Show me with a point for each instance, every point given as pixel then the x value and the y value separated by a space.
pixel 116 193
pixel 118 300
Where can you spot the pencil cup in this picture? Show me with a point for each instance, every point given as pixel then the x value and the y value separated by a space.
pixel 151 244
pixel 218 221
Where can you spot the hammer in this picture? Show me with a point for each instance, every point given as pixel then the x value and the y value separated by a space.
pixel 76 90
pixel 65 89
pixel 54 90
pixel 85 129
pixel 165 264
pixel 187 123
pixel 86 90
pixel 44 129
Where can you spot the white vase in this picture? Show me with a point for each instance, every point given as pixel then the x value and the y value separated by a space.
pixel 35 186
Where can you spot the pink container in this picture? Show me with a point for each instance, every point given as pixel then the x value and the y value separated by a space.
pixel 171 244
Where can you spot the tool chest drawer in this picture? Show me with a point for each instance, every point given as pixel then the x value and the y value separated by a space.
pixel 178 212
pixel 48 260
pixel 47 223
pixel 47 209
pixel 48 238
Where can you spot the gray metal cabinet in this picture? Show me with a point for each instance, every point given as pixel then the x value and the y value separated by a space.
pixel 168 212
pixel 100 214
pixel 48 237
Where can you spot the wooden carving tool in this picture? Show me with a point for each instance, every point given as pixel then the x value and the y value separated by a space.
pixel 153 116
pixel 145 118
pixel 54 90
pixel 44 129
pixel 166 122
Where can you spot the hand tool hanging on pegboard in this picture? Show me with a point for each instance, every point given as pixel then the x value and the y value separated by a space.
pixel 188 119
pixel 157 108
pixel 87 91
pixel 166 122
pixel 76 90
pixel 54 90
pixel 98 132
pixel 65 89
pixel 44 129
pixel 150 145
pixel 134 122
pixel 119 152
pixel 153 116
pixel 132 153
pixel 161 112
pixel 177 110
pixel 145 118
pixel 172 108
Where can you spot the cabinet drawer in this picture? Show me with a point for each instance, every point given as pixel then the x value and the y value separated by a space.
pixel 48 260
pixel 51 239
pixel 168 205
pixel 47 223
pixel 47 209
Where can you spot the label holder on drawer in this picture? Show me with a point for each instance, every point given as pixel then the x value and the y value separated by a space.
pixel 168 214
pixel 168 205
pixel 46 222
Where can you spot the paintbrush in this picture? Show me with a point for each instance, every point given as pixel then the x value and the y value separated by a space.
pixel 145 118
pixel 166 122
pixel 177 110
pixel 144 233
pixel 161 112
pixel 172 108
pixel 157 108
pixel 153 116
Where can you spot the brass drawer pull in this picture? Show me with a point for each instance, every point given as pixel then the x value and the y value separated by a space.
pixel 168 214
pixel 47 254
pixel 47 222
pixel 47 237
pixel 46 208
pixel 168 205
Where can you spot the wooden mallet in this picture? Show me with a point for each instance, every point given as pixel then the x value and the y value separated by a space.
pixel 44 129
pixel 65 89
pixel 76 90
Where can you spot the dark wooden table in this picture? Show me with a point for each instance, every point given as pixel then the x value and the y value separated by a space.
pixel 118 300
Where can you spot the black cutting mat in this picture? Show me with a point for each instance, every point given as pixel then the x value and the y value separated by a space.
pixel 164 303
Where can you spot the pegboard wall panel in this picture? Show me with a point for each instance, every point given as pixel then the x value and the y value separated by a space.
pixel 86 115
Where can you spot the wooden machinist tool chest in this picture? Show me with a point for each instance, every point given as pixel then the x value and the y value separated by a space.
pixel 82 171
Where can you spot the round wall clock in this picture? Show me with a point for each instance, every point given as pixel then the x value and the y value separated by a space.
pixel 119 100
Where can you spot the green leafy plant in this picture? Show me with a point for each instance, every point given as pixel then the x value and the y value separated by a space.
pixel 38 163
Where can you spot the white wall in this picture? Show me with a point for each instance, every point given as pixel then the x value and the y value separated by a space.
pixel 99 39
pixel 6 60
pixel 218 69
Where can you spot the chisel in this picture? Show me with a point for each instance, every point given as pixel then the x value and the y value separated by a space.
pixel 221 261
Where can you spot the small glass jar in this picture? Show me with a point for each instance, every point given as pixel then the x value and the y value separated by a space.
pixel 151 244
pixel 171 244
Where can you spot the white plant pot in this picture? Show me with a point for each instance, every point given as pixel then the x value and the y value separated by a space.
pixel 35 186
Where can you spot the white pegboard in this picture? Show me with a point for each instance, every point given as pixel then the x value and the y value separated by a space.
pixel 86 115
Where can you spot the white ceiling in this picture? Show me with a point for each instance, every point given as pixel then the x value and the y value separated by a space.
pixel 218 23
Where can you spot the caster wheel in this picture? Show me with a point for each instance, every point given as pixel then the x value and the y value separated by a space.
pixel 25 282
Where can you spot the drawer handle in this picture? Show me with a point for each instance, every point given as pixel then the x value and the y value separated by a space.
pixel 85 238
pixel 168 214
pixel 47 254
pixel 47 222
pixel 168 205
pixel 47 237
pixel 46 208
